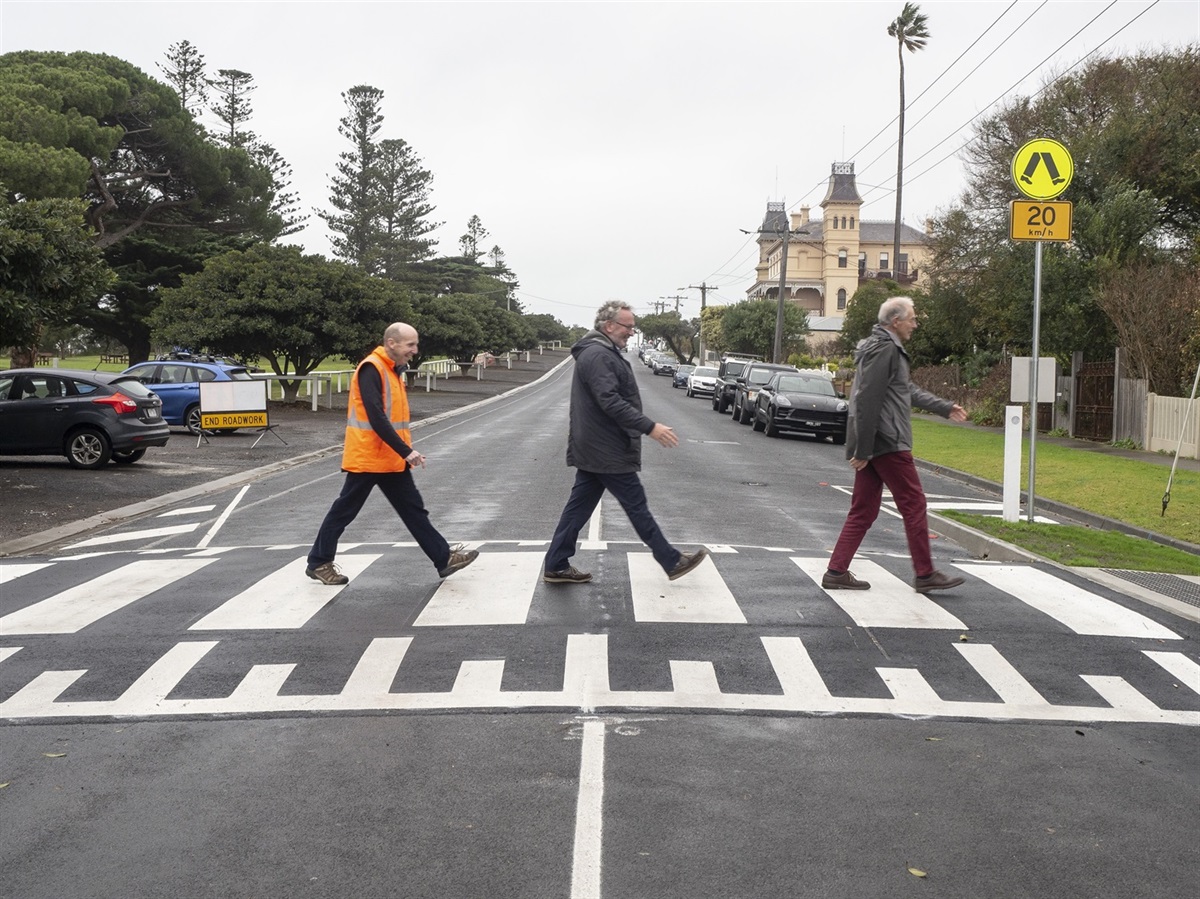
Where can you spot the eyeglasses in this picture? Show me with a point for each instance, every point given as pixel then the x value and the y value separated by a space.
pixel 629 328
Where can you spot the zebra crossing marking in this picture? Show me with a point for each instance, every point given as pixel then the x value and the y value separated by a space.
pixel 10 571
pixel 1078 609
pixel 889 603
pixel 497 588
pixel 702 598
pixel 285 599
pixel 127 536
pixel 74 609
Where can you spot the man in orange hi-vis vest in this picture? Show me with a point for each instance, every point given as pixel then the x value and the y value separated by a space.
pixel 379 452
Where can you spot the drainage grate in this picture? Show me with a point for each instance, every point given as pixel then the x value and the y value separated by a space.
pixel 1165 584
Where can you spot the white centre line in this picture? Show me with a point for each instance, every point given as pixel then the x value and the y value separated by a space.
pixel 589 812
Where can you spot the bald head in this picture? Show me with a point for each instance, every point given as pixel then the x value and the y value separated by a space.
pixel 401 342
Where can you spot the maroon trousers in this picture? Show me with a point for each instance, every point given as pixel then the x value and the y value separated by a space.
pixel 898 472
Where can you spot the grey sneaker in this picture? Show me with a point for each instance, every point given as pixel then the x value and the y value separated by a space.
pixel 459 559
pixel 843 581
pixel 568 575
pixel 327 574
pixel 687 561
pixel 936 581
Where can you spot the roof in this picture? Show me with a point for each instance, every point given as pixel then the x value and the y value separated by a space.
pixel 842 188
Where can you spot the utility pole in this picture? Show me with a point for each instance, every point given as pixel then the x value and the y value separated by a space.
pixel 784 235
pixel 676 299
pixel 704 288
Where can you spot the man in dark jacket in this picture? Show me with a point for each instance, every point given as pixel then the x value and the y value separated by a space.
pixel 604 446
pixel 879 447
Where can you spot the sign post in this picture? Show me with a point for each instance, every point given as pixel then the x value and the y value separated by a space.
pixel 1042 169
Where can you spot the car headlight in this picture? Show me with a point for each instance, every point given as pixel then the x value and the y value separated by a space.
pixel 751 394
pixel 843 406
pixel 781 400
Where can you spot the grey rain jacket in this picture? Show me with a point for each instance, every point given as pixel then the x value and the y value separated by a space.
pixel 883 397
pixel 607 423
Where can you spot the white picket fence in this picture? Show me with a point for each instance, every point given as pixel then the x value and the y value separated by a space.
pixel 1165 420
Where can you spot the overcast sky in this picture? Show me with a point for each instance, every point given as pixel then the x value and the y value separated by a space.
pixel 614 150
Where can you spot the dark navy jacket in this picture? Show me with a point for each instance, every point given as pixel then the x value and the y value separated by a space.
pixel 607 423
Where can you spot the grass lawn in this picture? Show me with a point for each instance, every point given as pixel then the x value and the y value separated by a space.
pixel 1127 490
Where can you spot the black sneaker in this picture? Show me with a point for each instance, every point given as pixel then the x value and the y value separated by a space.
pixel 459 559
pixel 687 561
pixel 568 575
pixel 936 581
pixel 843 581
pixel 327 574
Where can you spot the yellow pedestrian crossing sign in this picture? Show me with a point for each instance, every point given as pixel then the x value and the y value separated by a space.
pixel 1042 169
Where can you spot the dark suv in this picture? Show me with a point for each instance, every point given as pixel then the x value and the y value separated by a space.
pixel 745 391
pixel 727 374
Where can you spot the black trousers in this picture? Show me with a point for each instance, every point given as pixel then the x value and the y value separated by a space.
pixel 585 495
pixel 401 491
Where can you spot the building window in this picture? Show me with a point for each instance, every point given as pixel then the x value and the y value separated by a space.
pixel 862 264
pixel 883 262
pixel 843 222
pixel 851 221
pixel 833 223
pixel 902 263
pixel 841 298
pixel 841 258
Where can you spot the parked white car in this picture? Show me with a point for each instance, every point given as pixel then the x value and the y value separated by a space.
pixel 702 381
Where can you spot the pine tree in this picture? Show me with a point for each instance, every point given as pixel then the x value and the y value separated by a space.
pixel 403 209
pixel 354 194
pixel 469 242
pixel 232 107
pixel 185 72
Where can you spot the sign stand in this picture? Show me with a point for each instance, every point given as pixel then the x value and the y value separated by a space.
pixel 1042 169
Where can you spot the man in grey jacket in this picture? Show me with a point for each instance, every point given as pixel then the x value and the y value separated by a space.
pixel 879 447
pixel 604 446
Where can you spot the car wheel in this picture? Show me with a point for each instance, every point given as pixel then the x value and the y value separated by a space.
pixel 128 457
pixel 88 448
pixel 688 392
pixel 716 403
pixel 734 410
pixel 839 439
pixel 755 421
pixel 770 429
pixel 743 415
pixel 191 418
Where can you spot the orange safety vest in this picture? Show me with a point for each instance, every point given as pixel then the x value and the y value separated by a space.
pixel 364 450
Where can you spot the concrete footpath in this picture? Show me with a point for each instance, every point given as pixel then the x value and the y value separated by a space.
pixel 43 501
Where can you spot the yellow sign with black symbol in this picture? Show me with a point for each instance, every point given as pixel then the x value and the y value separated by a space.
pixel 1040 221
pixel 1042 169
pixel 217 421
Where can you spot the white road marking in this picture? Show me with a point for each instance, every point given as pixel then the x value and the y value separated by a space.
pixel 701 597
pixel 283 600
pixel 191 510
pixel 593 534
pixel 497 588
pixel 10 571
pixel 222 518
pixel 1179 665
pixel 1078 609
pixel 589 814
pixel 76 608
pixel 127 536
pixel 890 602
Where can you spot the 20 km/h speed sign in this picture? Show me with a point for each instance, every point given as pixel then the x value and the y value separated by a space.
pixel 1042 169
pixel 1040 221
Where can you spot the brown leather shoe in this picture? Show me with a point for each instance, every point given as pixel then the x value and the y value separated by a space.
pixel 687 561
pixel 844 581
pixel 327 574
pixel 936 581
pixel 459 559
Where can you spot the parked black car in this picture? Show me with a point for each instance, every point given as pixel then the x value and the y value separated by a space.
pixel 87 416
pixel 727 375
pixel 745 391
pixel 801 403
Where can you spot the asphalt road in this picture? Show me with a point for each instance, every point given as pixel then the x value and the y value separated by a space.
pixel 185 715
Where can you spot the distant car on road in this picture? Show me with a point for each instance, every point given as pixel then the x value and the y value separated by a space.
pixel 87 416
pixel 702 381
pixel 679 379
pixel 727 374
pixel 663 364
pixel 177 383
pixel 803 402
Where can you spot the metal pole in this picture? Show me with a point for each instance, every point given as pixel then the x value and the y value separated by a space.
pixel 1033 375
pixel 777 356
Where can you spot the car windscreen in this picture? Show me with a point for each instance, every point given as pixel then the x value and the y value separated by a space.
pixel 733 369
pixel 759 375
pixel 705 372
pixel 798 384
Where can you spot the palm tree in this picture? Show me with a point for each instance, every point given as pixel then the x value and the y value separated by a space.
pixel 911 34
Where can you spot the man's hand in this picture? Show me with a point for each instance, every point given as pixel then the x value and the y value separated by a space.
pixel 415 460
pixel 859 464
pixel 664 435
pixel 958 413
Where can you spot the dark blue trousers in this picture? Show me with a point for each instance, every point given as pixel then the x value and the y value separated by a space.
pixel 401 491
pixel 585 495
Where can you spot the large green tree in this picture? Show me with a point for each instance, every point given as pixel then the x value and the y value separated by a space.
pixel 91 126
pixel 293 309
pixel 749 327
pixel 403 208
pixel 680 335
pixel 1132 126
pixel 353 188
pixel 51 266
